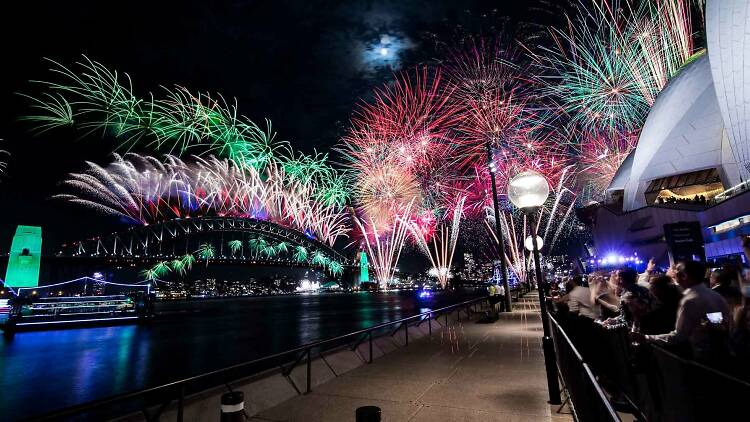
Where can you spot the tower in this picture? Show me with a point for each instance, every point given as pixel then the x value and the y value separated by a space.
pixel 25 257
pixel 364 272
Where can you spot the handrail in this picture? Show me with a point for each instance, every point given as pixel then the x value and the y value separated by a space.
pixel 182 383
pixel 611 410
pixel 567 339
pixel 700 365
pixel 613 416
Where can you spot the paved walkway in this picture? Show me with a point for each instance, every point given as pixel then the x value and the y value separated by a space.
pixel 469 372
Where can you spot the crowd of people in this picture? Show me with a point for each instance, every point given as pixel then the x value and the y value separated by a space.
pixel 697 200
pixel 702 315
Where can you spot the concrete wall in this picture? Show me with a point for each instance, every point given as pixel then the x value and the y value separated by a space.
pixel 271 387
pixel 642 230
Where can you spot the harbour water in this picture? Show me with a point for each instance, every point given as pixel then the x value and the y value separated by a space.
pixel 71 366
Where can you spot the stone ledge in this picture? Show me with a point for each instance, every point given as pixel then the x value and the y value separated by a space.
pixel 271 388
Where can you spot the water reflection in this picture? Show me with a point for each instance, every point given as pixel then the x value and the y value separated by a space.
pixel 52 369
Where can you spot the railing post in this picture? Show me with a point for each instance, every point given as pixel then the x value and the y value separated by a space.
pixel 406 332
pixel 369 334
pixel 180 404
pixel 309 370
pixel 429 322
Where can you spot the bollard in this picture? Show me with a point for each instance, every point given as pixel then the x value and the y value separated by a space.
pixel 368 414
pixel 233 407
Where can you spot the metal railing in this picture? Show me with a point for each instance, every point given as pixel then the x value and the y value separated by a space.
pixel 163 395
pixel 686 390
pixel 586 396
pixel 649 381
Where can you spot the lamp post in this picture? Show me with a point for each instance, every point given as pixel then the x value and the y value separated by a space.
pixel 528 191
pixel 499 229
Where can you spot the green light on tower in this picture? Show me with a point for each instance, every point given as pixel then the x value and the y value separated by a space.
pixel 364 272
pixel 25 257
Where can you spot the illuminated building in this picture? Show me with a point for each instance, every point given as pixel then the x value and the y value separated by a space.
pixel 25 257
pixel 692 162
pixel 364 271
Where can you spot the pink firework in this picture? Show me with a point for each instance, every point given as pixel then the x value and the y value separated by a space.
pixel 601 155
pixel 493 96
pixel 408 128
pixel 545 152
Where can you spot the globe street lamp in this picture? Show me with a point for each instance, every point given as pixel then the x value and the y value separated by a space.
pixel 529 243
pixel 528 191
pixel 499 229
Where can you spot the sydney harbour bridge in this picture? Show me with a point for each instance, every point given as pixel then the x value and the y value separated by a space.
pixel 233 240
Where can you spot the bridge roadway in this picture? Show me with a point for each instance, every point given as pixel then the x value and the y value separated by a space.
pixel 470 373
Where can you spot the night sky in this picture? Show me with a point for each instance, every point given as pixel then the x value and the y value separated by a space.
pixel 302 64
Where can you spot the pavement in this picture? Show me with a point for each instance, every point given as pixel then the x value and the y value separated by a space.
pixel 468 372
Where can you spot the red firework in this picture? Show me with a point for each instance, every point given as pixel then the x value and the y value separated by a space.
pixel 409 121
pixel 409 126
pixel 493 96
pixel 602 153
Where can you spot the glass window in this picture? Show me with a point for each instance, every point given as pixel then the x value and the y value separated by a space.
pixel 692 177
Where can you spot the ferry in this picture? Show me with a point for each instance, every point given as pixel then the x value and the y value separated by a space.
pixel 83 301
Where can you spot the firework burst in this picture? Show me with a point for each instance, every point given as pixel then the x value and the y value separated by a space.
pixel 95 99
pixel 3 163
pixel 440 245
pixel 146 190
pixel 607 68
pixel 384 243
pixel 553 221
pixel 601 155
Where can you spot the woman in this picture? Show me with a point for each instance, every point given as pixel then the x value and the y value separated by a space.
pixel 602 293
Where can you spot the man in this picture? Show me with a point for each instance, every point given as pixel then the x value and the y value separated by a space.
pixel 723 284
pixel 702 315
pixel 579 300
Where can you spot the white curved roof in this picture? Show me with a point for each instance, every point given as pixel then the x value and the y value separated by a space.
pixel 729 50
pixel 682 133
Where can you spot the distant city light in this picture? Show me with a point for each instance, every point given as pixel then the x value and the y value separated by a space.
pixel 308 286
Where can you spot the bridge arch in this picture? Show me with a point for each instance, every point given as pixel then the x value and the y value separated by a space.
pixel 173 238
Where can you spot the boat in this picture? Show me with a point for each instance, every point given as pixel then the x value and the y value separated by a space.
pixel 84 301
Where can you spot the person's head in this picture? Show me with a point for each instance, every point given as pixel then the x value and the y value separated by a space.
pixel 713 280
pixel 576 281
pixel 626 277
pixel 726 277
pixel 660 280
pixel 690 273
pixel 569 286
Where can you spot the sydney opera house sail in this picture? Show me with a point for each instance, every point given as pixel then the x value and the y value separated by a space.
pixel 692 162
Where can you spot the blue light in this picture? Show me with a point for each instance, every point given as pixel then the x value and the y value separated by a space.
pixel 424 294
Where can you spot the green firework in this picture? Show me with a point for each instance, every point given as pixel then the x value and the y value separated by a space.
pixel 101 101
pixel 300 253
pixel 206 251
pixel 234 246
